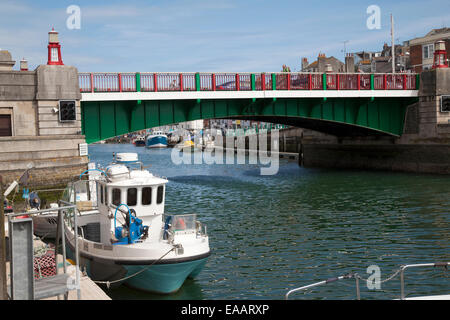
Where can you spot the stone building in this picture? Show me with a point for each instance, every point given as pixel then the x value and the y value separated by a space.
pixel 31 131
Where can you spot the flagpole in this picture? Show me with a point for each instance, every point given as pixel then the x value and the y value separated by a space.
pixel 3 288
pixel 393 45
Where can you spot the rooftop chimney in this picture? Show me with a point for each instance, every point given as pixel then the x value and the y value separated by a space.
pixel 349 63
pixel 304 63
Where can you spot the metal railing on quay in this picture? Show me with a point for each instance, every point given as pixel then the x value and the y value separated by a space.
pixel 63 214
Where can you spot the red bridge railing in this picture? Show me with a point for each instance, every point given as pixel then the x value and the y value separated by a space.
pixel 164 82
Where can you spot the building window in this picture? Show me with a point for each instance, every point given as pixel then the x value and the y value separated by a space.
pixel 428 51
pixel 106 195
pixel 116 195
pixel 5 125
pixel 132 196
pixel 146 196
pixel 101 194
pixel 159 195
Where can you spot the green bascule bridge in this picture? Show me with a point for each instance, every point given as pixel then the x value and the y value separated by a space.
pixel 342 104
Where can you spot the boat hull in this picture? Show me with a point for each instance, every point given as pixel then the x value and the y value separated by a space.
pixel 139 143
pixel 163 278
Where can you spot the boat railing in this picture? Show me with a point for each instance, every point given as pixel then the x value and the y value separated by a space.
pixel 418 265
pixel 182 222
pixel 82 193
pixel 330 280
pixel 179 224
pixel 400 270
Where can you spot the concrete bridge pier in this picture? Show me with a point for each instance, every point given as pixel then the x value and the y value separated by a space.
pixel 424 146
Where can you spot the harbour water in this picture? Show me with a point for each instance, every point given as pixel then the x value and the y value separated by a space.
pixel 270 234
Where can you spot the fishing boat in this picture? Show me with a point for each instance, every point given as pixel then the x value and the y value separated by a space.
pixel 139 141
pixel 157 139
pixel 125 235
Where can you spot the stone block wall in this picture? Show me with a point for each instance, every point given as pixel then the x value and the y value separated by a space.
pixel 38 137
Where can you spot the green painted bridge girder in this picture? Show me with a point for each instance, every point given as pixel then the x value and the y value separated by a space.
pixel 385 116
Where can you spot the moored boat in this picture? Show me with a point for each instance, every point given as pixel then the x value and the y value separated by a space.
pixel 139 141
pixel 126 237
pixel 157 139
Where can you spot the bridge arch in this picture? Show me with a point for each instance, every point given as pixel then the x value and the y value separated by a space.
pixel 337 116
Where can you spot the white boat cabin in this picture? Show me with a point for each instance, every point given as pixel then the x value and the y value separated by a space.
pixel 138 189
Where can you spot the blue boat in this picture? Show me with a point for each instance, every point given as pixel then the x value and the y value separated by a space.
pixel 156 139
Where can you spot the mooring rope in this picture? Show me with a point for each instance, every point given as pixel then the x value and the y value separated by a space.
pixel 108 283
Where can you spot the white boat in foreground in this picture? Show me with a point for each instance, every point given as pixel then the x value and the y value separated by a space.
pixel 127 238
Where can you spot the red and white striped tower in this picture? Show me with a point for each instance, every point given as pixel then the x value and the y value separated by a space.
pixel 54 49
pixel 23 65
pixel 440 55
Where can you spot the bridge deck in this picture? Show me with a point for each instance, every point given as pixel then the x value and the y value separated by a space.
pixel 190 95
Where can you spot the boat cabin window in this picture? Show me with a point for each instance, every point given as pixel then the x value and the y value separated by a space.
pixel 101 194
pixel 106 195
pixel 131 196
pixel 146 196
pixel 159 195
pixel 116 196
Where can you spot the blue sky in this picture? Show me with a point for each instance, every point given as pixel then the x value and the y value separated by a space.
pixel 207 35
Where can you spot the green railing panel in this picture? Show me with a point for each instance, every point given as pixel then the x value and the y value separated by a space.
pixel 197 82
pixel 138 82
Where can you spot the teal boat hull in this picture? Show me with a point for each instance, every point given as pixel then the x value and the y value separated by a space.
pixel 163 278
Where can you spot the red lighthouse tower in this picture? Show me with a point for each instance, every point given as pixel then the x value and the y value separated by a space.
pixel 54 49
pixel 440 55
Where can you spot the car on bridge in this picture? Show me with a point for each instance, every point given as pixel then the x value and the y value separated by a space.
pixel 230 85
